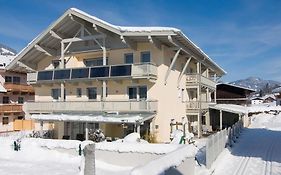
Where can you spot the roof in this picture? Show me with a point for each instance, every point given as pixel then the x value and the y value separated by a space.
pixel 233 85
pixel 67 26
pixel 100 118
pixel 238 109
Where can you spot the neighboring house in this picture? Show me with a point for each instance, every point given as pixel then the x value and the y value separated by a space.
pixel 90 74
pixel 269 98
pixel 13 93
pixel 232 94
pixel 256 100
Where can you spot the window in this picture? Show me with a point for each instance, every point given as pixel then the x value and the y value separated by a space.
pixel 145 57
pixel 78 92
pixel 16 80
pixel 94 62
pixel 132 93
pixel 137 93
pixel 20 100
pixel 92 93
pixel 62 74
pixel 8 79
pixel 6 100
pixel 20 117
pixel 80 73
pixel 56 94
pixel 129 58
pixel 5 120
pixel 120 70
pixel 45 75
pixel 143 92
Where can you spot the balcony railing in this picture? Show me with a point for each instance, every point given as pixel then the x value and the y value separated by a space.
pixel 91 106
pixel 8 108
pixel 194 79
pixel 195 105
pixel 142 70
pixel 10 87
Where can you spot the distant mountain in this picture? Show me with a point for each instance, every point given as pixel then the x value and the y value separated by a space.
pixel 257 83
pixel 7 54
pixel 5 50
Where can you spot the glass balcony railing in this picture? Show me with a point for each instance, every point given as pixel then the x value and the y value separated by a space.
pixel 142 70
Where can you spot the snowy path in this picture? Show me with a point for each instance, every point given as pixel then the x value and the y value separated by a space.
pixel 258 151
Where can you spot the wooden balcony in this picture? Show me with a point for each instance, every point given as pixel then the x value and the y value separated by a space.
pixel 20 88
pixel 195 106
pixel 90 106
pixel 193 80
pixel 11 108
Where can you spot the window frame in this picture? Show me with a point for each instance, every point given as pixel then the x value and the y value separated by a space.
pixel 125 58
pixel 95 95
pixel 5 120
pixel 4 101
pixel 19 101
pixel 142 58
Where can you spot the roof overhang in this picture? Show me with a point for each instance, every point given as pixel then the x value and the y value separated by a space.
pixel 49 41
pixel 128 118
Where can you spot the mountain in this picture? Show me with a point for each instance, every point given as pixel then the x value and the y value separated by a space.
pixel 7 54
pixel 257 83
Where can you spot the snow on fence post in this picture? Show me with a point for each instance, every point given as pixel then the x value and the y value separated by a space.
pixel 88 160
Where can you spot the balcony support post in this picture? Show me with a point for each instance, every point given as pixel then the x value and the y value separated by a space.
pixel 104 63
pixel 199 99
pixel 86 131
pixel 183 71
pixel 220 119
pixel 62 66
pixel 171 66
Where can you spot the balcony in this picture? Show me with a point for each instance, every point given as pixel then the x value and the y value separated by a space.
pixel 10 108
pixel 194 106
pixel 91 106
pixel 133 71
pixel 23 88
pixel 193 80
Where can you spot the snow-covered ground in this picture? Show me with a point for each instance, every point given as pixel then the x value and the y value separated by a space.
pixel 257 151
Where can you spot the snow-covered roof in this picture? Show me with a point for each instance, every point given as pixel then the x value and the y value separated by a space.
pixel 276 90
pixel 234 85
pixel 231 108
pixel 101 118
pixel 66 24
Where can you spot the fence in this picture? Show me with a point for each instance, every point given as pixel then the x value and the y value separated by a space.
pixel 217 142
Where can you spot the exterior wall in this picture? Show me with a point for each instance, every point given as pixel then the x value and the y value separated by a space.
pixel 171 97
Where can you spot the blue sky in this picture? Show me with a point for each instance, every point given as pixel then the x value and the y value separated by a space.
pixel 244 37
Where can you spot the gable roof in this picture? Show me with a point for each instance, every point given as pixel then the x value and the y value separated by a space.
pixel 66 26
pixel 236 86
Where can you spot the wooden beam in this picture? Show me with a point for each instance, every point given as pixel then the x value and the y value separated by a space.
pixel 55 35
pixel 171 65
pixel 29 68
pixel 155 42
pixel 47 51
pixel 128 42
pixel 85 38
pixel 183 70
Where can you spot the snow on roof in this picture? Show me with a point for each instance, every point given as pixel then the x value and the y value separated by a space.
pixel 231 108
pixel 277 90
pixel 106 118
pixel 121 30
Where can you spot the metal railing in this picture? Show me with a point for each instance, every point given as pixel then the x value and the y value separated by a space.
pixel 18 87
pixel 91 106
pixel 192 79
pixel 217 142
pixel 138 70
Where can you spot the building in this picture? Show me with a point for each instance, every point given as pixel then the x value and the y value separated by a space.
pixel 14 91
pixel 232 94
pixel 90 74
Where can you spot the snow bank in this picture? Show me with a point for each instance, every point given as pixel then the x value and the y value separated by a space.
pixel 137 148
pixel 172 159
pixel 131 138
